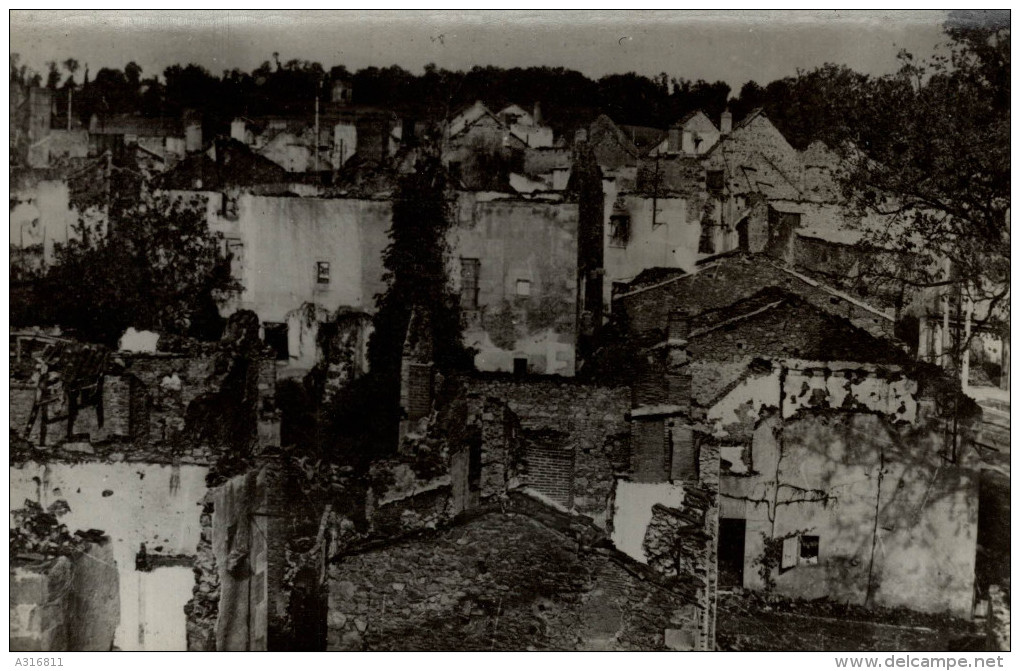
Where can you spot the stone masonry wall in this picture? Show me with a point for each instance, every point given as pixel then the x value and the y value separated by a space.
pixel 157 408
pixel 202 609
pixel 500 581
pixel 560 418
pixel 253 528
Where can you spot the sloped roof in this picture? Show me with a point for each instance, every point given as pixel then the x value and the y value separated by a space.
pixel 780 323
pixel 537 511
pixel 469 116
pixel 651 276
pixel 237 165
pixel 728 138
pixel 514 108
pixel 604 127
pixel 819 154
pixel 820 165
pixel 686 119
pixel 723 281
pixel 751 169
pixel 644 138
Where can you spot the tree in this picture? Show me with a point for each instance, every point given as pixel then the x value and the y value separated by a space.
pixel 934 160
pixel 71 65
pixel 416 263
pixel 364 416
pixel 52 75
pixel 157 266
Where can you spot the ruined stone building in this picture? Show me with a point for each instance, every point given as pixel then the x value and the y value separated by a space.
pixel 512 260
pixel 846 468
pixel 344 131
pixel 481 149
pixel 125 442
pixel 669 396
pixel 518 514
pixel 169 138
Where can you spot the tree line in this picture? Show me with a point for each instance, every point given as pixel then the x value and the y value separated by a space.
pixel 930 141
pixel 803 106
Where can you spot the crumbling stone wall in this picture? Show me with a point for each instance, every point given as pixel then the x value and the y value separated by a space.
pixel 409 504
pixel 65 603
pixel 998 619
pixel 257 536
pixel 680 544
pixel 162 387
pixel 144 401
pixel 756 143
pixel 496 464
pixel 543 160
pixel 682 176
pixel 162 407
pixel 202 609
pixel 563 417
pixel 499 581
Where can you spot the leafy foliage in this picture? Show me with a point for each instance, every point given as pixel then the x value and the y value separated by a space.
pixel 40 532
pixel 363 416
pixel 157 266
pixel 935 157
pixel 772 555
pixel 568 98
pixel 416 262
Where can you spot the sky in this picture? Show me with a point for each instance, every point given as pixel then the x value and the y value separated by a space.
pixel 733 46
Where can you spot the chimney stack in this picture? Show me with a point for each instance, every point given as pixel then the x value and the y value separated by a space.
pixel 40 109
pixel 537 114
pixel 726 123
pixel 678 326
pixel 238 130
pixel 674 140
pixel 192 132
pixel 663 447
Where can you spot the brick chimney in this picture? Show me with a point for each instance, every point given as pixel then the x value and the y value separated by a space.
pixel 726 123
pixel 537 114
pixel 663 439
pixel 417 372
pixel 678 326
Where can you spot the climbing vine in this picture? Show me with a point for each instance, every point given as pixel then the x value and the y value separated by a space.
pixel 364 416
pixel 38 531
pixel 771 556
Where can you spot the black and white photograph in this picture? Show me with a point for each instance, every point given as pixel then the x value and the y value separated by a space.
pixel 510 330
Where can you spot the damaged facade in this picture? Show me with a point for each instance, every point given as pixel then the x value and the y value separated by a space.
pixel 498 525
pixel 668 397
pixel 846 470
pixel 125 442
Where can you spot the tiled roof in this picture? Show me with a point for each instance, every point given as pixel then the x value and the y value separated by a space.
pixel 238 166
